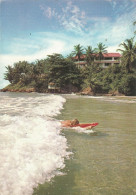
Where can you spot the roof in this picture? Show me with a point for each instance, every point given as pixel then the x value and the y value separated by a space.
pixel 104 54
pixel 112 55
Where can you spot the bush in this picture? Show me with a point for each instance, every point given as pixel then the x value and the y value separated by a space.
pixel 127 85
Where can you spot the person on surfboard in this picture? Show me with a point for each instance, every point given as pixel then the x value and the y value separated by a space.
pixel 69 123
pixel 75 123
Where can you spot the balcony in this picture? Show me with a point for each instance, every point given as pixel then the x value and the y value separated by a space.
pixel 80 62
pixel 107 61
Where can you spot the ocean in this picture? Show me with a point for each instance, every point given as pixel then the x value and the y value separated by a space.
pixel 38 157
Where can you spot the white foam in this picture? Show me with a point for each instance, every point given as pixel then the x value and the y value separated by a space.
pixel 32 147
pixel 82 130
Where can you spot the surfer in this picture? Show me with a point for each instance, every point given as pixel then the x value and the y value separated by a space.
pixel 75 123
pixel 69 123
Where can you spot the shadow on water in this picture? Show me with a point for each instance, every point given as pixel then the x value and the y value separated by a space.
pixel 61 185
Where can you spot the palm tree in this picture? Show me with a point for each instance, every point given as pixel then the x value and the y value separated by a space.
pixel 128 53
pixel 89 54
pixel 78 51
pixel 101 48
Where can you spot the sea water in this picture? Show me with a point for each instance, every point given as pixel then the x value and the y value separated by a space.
pixel 39 157
pixel 32 148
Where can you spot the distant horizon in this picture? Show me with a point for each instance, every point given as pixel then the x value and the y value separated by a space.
pixel 32 29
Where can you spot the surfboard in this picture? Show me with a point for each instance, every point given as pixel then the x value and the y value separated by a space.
pixel 84 125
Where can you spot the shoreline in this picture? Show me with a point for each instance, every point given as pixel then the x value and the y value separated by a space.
pixel 32 90
pixel 86 91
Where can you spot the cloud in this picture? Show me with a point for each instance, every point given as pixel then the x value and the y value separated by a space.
pixel 2 71
pixel 113 49
pixel 48 11
pixel 70 17
pixel 114 31
pixel 73 18
pixel 99 19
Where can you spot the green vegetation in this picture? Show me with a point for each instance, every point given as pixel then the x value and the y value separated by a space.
pixel 55 69
pixel 129 54
pixel 89 55
pixel 63 73
pixel 78 51
pixel 113 79
pixel 101 48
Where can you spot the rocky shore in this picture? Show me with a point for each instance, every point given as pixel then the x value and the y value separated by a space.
pixel 28 90
pixel 87 91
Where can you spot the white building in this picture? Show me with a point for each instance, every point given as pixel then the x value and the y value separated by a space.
pixel 108 59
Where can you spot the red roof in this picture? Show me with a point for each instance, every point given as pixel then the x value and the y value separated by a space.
pixel 112 55
pixel 104 54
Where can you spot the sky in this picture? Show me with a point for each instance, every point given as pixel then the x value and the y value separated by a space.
pixel 33 29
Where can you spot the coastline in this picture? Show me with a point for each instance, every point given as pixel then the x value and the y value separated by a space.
pixel 85 92
pixel 31 90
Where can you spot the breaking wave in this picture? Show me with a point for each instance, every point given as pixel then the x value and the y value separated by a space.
pixel 32 147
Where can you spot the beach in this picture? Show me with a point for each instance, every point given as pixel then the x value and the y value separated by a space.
pixel 39 157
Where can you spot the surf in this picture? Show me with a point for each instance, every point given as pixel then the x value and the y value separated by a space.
pixel 33 150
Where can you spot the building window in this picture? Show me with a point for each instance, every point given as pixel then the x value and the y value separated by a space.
pixel 107 64
pixel 108 58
